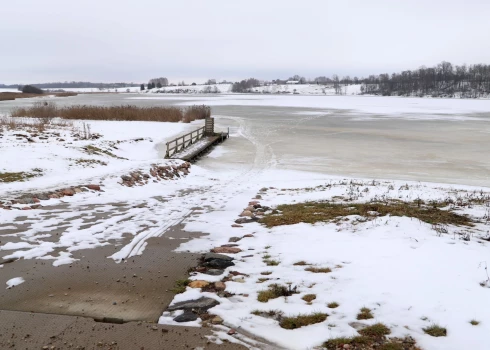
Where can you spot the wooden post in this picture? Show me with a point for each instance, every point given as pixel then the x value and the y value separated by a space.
pixel 209 126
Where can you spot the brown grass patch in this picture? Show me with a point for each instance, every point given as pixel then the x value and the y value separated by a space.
pixel 18 177
pixel 365 314
pixel 312 212
pixel 301 263
pixel 302 320
pixel 435 331
pixel 275 291
pixel 377 330
pixel 10 96
pixel 319 269
pixel 309 297
pixel 333 305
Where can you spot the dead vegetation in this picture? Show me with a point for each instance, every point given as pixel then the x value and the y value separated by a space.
pixel 435 331
pixel 19 176
pixel 276 291
pixel 372 337
pixel 302 320
pixel 365 314
pixel 309 298
pixel 10 96
pixel 333 305
pixel 120 113
pixel 312 212
pixel 318 269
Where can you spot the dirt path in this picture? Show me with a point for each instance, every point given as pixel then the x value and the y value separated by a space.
pixel 23 330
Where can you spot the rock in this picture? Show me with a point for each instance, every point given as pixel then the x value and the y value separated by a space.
pixel 236 225
pixel 246 213
pixel 230 245
pixel 93 187
pixel 263 189
pixel 126 178
pixel 218 264
pixel 53 195
pixel 253 202
pixel 239 280
pixel 219 286
pixel 250 208
pixel 257 206
pixel 77 190
pixel 346 346
pixel 249 235
pixel 258 196
pixel 226 250
pixel 216 320
pixel 26 208
pixel 202 304
pixel 212 256
pixel 358 325
pixel 234 239
pixel 186 317
pixel 244 221
pixel 231 332
pixel 68 192
pixel 42 196
pixel 214 272
pixel 36 206
pixel 198 284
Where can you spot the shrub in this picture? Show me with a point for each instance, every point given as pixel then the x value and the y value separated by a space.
pixel 29 89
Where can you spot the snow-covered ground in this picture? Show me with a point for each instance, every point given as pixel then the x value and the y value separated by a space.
pixel 62 156
pixel 409 273
pixel 300 89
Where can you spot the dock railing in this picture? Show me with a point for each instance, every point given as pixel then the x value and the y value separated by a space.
pixel 180 143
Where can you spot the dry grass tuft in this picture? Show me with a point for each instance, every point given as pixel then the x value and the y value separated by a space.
pixel 319 269
pixel 333 305
pixel 435 331
pixel 377 330
pixel 301 263
pixel 302 320
pixel 312 212
pixel 474 322
pixel 365 314
pixel 180 286
pixel 275 291
pixel 309 298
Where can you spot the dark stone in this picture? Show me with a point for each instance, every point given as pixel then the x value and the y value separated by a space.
pixel 244 221
pixel 186 317
pixel 234 239
pixel 229 245
pixel 213 272
pixel 212 256
pixel 202 304
pixel 218 264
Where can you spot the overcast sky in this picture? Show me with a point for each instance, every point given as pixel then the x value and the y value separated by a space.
pixel 192 40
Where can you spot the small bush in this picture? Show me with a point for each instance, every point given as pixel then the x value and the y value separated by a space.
pixel 365 314
pixel 309 297
pixel 333 305
pixel 272 262
pixel 29 89
pixel 302 320
pixel 435 331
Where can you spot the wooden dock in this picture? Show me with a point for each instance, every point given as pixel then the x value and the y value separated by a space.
pixel 192 145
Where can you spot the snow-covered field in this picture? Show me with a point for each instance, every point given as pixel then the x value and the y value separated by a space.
pixel 300 89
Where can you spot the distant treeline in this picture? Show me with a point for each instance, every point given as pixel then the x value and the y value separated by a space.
pixel 72 84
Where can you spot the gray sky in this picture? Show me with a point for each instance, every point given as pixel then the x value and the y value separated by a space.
pixel 192 40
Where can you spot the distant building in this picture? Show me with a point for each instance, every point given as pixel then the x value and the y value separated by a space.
pixel 292 82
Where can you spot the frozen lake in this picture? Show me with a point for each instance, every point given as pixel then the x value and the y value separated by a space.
pixel 435 140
